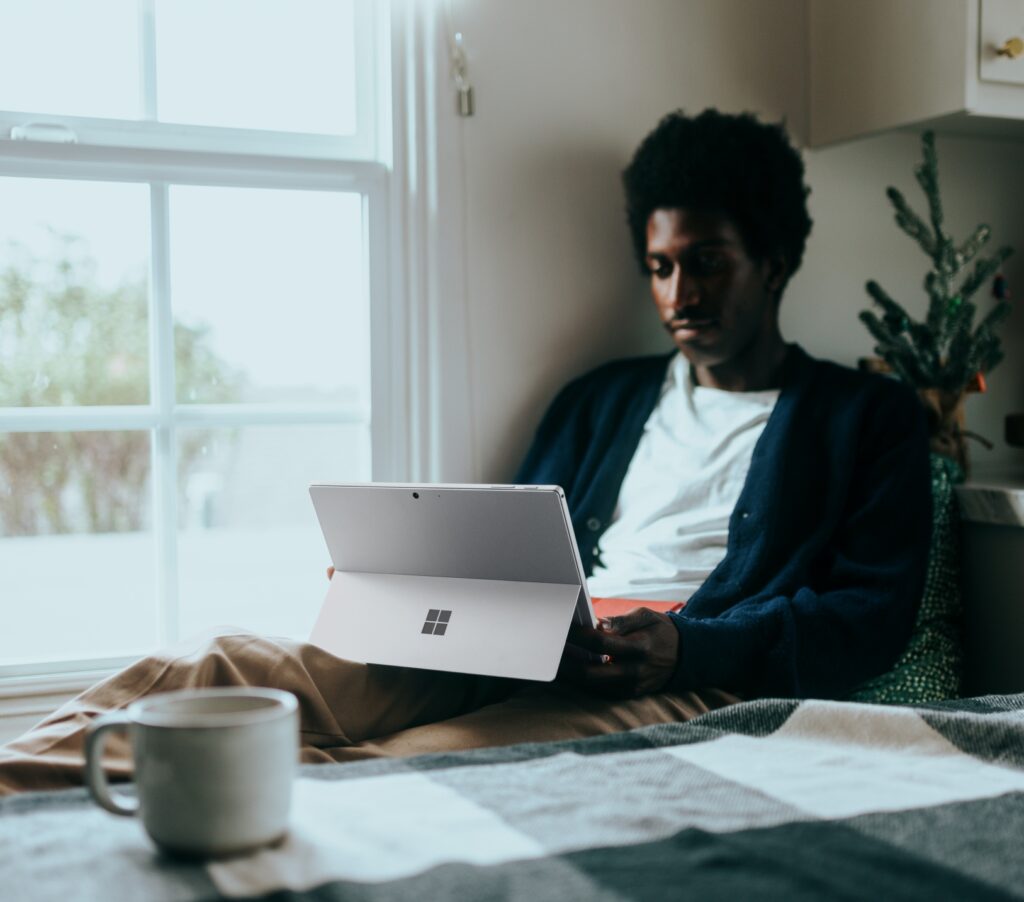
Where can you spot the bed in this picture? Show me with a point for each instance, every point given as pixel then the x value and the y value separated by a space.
pixel 770 799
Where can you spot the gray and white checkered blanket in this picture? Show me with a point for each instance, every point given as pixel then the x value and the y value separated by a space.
pixel 767 799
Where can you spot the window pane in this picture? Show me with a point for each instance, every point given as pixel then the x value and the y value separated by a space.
pixel 269 284
pixel 250 551
pixel 73 292
pixel 70 57
pixel 76 552
pixel 285 65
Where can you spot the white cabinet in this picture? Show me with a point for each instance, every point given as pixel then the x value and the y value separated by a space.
pixel 883 64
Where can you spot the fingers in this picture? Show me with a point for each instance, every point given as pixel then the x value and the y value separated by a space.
pixel 641 649
pixel 635 620
pixel 610 637
pixel 614 678
pixel 330 572
pixel 602 642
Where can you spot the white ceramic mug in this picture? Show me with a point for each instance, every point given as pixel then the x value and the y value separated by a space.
pixel 213 767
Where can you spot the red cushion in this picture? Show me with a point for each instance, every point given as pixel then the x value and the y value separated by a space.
pixel 615 607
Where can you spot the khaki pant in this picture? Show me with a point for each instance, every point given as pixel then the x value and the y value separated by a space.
pixel 348 711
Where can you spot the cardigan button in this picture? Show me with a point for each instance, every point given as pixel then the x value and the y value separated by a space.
pixel 593 524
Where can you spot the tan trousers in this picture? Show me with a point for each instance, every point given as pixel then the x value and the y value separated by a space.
pixel 348 711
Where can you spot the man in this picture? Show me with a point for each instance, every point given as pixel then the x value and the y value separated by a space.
pixel 785 500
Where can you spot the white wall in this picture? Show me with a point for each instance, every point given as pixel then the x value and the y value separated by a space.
pixel 565 90
pixel 855 238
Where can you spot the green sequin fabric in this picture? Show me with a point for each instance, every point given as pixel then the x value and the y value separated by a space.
pixel 931 667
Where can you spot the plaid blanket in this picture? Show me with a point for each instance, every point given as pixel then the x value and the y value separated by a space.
pixel 767 799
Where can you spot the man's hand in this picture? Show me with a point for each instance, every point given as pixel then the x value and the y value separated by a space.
pixel 330 572
pixel 642 648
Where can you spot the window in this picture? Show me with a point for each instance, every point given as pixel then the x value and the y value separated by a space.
pixel 192 227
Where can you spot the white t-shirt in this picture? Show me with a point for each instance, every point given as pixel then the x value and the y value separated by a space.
pixel 671 521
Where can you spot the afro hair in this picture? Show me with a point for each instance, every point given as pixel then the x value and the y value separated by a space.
pixel 732 165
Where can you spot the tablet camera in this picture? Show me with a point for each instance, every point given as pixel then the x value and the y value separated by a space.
pixel 415 494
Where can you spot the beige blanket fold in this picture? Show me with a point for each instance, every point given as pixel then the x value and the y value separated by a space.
pixel 349 711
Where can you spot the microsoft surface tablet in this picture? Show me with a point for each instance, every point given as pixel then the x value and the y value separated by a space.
pixel 467 578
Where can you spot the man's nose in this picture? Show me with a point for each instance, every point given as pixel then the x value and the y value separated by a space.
pixel 684 290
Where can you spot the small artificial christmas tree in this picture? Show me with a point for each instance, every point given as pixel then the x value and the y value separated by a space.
pixel 946 353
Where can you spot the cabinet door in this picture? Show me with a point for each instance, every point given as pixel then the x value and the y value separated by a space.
pixel 1001 44
pixel 876 64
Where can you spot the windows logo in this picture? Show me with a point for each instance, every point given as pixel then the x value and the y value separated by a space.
pixel 437 622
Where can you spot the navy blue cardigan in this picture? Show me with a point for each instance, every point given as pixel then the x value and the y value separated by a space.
pixel 828 543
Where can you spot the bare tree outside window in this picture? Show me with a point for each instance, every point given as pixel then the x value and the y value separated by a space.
pixel 65 340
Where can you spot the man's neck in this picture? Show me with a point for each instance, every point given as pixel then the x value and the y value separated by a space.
pixel 759 369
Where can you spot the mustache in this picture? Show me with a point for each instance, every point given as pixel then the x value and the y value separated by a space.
pixel 676 322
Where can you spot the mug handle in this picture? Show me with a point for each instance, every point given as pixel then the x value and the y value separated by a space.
pixel 95 779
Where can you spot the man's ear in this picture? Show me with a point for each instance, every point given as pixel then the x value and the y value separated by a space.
pixel 775 272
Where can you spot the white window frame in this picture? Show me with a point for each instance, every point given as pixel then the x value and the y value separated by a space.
pixel 429 243
pixel 162 155
pixel 148 133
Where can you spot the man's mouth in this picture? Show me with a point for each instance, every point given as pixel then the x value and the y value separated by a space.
pixel 690 327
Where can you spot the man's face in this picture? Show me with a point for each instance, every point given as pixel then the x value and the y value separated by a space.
pixel 713 299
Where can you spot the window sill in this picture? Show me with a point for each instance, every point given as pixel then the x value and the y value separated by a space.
pixel 25 700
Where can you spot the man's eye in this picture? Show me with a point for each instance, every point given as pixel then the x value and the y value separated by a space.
pixel 661 270
pixel 706 264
